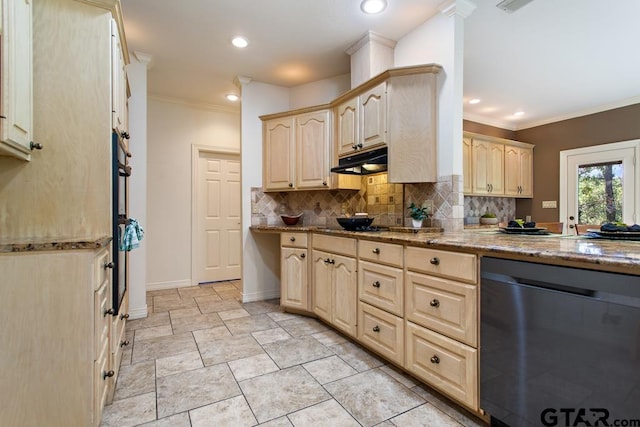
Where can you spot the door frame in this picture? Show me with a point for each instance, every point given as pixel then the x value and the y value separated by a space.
pixel 196 149
pixel 564 173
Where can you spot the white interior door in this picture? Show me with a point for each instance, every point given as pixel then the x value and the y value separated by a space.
pixel 217 236
pixel 581 176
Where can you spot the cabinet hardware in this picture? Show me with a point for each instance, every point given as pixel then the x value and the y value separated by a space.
pixel 354 146
pixel 123 343
pixel 324 183
pixel 359 144
pixel 35 146
pixel 290 185
pixel 125 135
pixel 302 255
pixel 124 316
pixel 376 329
pixel 435 359
pixel 108 374
pixel 376 251
pixel 435 261
pixel 108 265
pixel 434 303
pixel 376 284
pixel 332 261
pixel 110 311
pixel 293 239
pixel 3 117
pixel 571 226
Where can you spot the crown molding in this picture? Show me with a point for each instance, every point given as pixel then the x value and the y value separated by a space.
pixel 193 104
pixel 240 81
pixel 144 58
pixel 462 8
pixel 488 121
pixel 370 36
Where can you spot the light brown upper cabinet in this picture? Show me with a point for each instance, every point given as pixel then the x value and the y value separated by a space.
pixel 346 116
pixel 278 152
pixel 496 166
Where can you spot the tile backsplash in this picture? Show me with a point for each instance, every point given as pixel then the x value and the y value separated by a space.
pixel 503 207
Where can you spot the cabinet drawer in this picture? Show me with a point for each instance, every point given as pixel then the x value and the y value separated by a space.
pixel 101 383
pixel 443 363
pixel 335 245
pixel 443 305
pixel 453 265
pixel 102 321
pixel 381 286
pixel 385 253
pixel 101 271
pixel 381 331
pixel 293 240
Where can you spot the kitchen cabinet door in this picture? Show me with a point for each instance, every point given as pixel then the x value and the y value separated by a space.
pixel 488 164
pixel 345 294
pixel 373 117
pixel 278 152
pixel 467 169
pixel 293 279
pixel 322 281
pixel 518 171
pixel 312 150
pixel 347 126
pixel 118 83
pixel 16 78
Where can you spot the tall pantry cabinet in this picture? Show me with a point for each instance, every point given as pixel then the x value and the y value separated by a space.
pixel 57 363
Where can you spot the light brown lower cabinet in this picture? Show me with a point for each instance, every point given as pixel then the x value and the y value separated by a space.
pixel 382 332
pixel 294 287
pixel 443 363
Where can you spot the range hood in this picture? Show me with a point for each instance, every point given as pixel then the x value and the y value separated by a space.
pixel 373 161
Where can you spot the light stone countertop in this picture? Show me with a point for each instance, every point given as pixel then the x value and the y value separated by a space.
pixel 596 254
pixel 58 245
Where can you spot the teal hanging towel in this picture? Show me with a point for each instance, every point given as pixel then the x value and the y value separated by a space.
pixel 133 234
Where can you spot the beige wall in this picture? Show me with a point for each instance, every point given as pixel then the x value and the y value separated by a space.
pixel 172 130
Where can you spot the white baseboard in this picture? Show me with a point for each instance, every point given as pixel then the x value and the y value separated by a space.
pixel 261 296
pixel 158 286
pixel 138 313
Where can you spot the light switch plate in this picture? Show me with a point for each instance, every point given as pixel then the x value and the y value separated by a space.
pixel 549 204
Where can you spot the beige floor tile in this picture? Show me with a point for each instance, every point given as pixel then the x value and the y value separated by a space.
pixel 134 380
pixel 296 351
pixel 447 406
pixel 271 335
pixel 156 331
pixel 228 349
pixel 215 306
pixel 171 302
pixel 156 348
pixel 295 389
pixel 302 326
pixel 325 414
pixel 172 291
pixel 399 376
pixel 207 299
pixel 261 307
pixel 229 295
pixel 233 314
pixel 278 422
pixel 231 412
pixel 250 367
pixel 223 286
pixel 184 312
pixel 194 323
pixel 193 389
pixel 246 325
pixel 178 420
pixel 195 291
pixel 179 363
pixel 153 319
pixel 130 412
pixel 212 334
pixel 329 369
pixel 373 396
pixel 356 356
pixel 329 338
pixel 279 316
pixel 425 415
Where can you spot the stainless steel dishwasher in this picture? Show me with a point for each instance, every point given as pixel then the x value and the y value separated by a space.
pixel 559 346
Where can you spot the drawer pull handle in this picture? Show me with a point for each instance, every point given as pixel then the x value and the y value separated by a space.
pixel 376 284
pixel 290 185
pixel 124 316
pixel 434 303
pixel 376 251
pixel 329 261
pixel 435 261
pixel 123 343
pixel 435 359
pixel 110 311
pixel 376 329
pixel 108 265
pixel 108 374
pixel 293 239
pixel 302 255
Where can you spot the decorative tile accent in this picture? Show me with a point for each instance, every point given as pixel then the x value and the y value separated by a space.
pixel 503 207
pixel 447 198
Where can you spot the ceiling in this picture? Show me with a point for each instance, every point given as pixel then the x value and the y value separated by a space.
pixel 551 59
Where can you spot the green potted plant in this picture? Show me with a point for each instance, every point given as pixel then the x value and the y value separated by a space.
pixel 417 214
pixel 488 218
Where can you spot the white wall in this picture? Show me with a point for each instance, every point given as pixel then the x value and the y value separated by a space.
pixel 173 127
pixel 137 75
pixel 439 40
pixel 320 92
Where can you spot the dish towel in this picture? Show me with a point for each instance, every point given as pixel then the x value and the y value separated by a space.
pixel 133 233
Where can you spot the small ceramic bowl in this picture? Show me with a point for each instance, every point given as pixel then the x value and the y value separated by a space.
pixel 291 219
pixel 491 221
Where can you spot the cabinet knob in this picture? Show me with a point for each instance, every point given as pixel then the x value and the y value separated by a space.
pixel 571 226
pixel 376 329
pixel 303 256
pixel 354 146
pixel 35 146
pixel 376 284
pixel 359 144
pixel 293 239
pixel 435 261
pixel 290 185
pixel 434 303
pixel 109 264
pixel 124 316
pixel 108 374
pixel 376 251
pixel 110 311
pixel 435 359
pixel 125 135
pixel 333 261
pixel 324 183
pixel 123 343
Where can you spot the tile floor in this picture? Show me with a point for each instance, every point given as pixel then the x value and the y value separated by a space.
pixel 201 358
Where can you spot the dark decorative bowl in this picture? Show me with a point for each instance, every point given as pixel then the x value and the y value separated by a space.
pixel 354 223
pixel 291 219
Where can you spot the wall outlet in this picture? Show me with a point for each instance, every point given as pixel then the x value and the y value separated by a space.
pixel 549 204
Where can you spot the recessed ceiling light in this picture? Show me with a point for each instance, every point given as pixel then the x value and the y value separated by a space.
pixel 373 6
pixel 232 97
pixel 518 113
pixel 474 101
pixel 239 42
